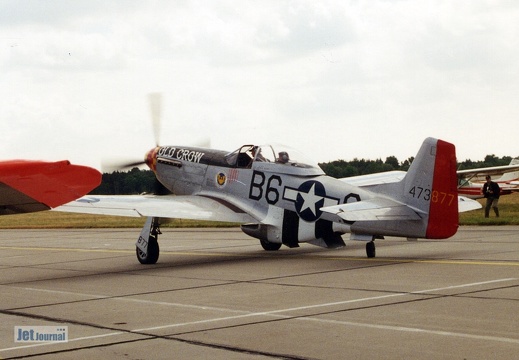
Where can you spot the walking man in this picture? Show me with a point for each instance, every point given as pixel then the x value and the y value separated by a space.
pixel 491 191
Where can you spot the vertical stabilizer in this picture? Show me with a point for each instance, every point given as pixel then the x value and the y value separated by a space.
pixel 431 187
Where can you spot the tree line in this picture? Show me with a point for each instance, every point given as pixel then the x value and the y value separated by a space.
pixel 342 168
pixel 138 181
pixel 131 182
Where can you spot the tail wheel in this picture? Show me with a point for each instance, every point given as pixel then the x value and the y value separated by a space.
pixel 370 249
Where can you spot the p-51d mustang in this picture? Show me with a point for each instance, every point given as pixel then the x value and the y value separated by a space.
pixel 280 197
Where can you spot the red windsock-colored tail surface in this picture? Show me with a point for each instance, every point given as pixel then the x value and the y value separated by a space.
pixel 443 210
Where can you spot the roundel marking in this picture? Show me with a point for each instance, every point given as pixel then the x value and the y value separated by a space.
pixel 310 198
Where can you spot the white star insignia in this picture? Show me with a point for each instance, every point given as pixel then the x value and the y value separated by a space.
pixel 310 200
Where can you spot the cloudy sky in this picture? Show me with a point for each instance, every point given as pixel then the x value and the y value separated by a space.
pixel 336 79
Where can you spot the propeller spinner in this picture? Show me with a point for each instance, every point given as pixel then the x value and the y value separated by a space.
pixel 151 158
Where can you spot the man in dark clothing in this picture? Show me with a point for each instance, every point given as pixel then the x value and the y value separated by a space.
pixel 491 191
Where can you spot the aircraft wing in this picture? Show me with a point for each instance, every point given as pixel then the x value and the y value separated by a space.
pixel 375 179
pixel 385 209
pixel 165 206
pixel 29 186
pixel 492 171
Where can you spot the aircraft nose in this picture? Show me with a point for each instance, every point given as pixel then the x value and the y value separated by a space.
pixel 151 158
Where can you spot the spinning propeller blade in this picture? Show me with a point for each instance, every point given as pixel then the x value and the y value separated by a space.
pixel 155 102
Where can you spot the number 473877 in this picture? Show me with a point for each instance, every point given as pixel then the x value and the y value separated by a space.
pixel 434 196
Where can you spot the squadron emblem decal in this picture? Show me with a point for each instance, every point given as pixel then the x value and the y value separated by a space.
pixel 221 179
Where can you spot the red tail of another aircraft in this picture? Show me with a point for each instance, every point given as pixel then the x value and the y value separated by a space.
pixel 28 186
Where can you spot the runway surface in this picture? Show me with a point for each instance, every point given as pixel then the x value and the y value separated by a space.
pixel 216 294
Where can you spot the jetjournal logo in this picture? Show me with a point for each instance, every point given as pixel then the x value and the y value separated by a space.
pixel 40 333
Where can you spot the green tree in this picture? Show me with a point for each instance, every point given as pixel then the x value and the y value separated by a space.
pixel 393 162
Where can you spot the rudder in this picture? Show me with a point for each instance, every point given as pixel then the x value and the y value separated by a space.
pixel 443 211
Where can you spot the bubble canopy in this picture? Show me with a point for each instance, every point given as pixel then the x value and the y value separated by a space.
pixel 266 155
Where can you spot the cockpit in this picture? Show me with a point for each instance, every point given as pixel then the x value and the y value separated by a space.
pixel 268 155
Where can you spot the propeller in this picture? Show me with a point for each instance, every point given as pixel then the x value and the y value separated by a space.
pixel 155 102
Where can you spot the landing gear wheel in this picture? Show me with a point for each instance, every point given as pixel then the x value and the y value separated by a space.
pixel 153 253
pixel 269 246
pixel 148 251
pixel 370 249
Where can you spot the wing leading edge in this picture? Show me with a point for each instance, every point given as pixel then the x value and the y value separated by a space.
pixel 492 171
pixel 165 206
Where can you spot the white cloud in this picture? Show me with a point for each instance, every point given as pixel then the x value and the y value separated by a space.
pixel 336 79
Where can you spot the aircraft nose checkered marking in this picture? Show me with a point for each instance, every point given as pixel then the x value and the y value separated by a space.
pixel 309 198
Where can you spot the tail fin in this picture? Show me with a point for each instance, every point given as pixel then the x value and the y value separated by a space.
pixel 430 186
pixel 424 204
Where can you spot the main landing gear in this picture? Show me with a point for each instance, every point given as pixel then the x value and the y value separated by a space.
pixel 147 246
pixel 269 246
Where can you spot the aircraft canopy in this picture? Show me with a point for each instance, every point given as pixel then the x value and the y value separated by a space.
pixel 272 153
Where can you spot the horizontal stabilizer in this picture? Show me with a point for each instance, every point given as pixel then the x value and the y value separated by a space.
pixel 373 210
pixel 466 204
pixel 387 177
pixel 29 186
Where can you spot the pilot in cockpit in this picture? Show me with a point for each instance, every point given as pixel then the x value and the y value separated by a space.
pixel 283 157
pixel 256 155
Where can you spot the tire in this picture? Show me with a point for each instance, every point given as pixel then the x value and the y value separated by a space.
pixel 269 246
pixel 370 249
pixel 153 253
